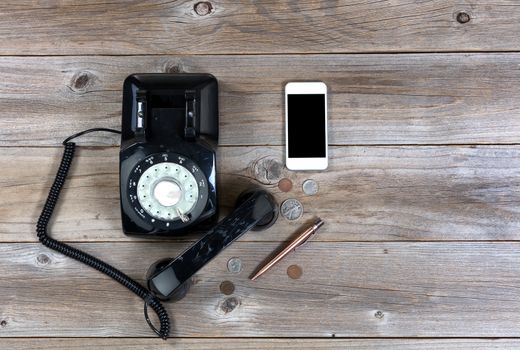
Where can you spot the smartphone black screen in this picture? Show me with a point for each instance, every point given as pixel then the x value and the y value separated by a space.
pixel 306 126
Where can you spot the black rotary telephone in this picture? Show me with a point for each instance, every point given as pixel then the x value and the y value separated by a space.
pixel 167 159
pixel 168 183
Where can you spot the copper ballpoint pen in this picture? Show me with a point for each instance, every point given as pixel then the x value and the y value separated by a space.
pixel 302 238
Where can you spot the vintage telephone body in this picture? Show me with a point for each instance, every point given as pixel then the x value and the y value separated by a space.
pixel 168 184
pixel 168 140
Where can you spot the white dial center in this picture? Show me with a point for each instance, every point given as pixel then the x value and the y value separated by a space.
pixel 167 193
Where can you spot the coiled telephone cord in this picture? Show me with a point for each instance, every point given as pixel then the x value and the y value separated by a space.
pixel 85 258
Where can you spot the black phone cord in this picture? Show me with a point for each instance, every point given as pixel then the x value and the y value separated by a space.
pixel 122 278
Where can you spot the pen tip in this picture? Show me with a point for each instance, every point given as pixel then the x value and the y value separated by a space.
pixel 319 222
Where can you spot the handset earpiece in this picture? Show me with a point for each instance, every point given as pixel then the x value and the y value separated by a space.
pixel 255 209
pixel 268 219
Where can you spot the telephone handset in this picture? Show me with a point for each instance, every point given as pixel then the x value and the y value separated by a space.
pixel 167 183
pixel 170 279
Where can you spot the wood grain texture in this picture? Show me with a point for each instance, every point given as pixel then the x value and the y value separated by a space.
pixel 367 194
pixel 356 290
pixel 424 123
pixel 374 99
pixel 31 27
pixel 260 344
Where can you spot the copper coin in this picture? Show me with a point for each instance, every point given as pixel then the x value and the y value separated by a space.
pixel 285 185
pixel 294 272
pixel 227 287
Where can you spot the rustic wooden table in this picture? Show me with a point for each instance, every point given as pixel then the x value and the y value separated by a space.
pixel 421 200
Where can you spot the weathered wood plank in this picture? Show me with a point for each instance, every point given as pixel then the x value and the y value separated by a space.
pixel 368 193
pixel 356 289
pixel 173 27
pixel 374 99
pixel 260 344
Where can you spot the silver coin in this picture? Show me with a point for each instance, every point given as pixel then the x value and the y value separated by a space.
pixel 310 187
pixel 234 265
pixel 291 209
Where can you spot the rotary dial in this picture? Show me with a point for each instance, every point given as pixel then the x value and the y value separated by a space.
pixel 167 189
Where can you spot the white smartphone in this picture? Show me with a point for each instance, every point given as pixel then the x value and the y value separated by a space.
pixel 306 141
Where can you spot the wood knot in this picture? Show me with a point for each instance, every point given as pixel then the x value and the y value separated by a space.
pixel 227 287
pixel 43 259
pixel 173 68
pixel 229 305
pixel 379 315
pixel 267 170
pixel 463 17
pixel 81 81
pixel 3 323
pixel 203 8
